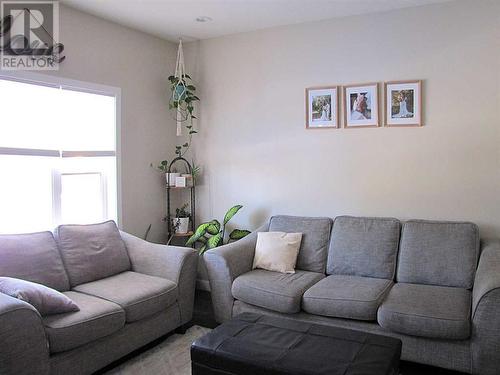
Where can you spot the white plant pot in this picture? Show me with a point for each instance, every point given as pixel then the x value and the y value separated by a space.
pixel 182 224
pixel 189 179
pixel 171 178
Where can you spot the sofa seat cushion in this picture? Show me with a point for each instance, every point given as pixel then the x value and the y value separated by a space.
pixel 92 252
pixel 274 290
pixel 342 296
pixel 138 294
pixel 97 318
pixel 427 311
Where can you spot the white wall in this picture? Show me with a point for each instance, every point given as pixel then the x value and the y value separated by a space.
pixel 255 150
pixel 106 53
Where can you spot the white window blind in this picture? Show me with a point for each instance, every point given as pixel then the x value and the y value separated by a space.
pixel 57 156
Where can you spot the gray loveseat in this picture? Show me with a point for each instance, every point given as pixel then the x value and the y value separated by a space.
pixel 429 283
pixel 129 291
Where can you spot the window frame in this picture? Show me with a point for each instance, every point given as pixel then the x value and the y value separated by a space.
pixel 81 86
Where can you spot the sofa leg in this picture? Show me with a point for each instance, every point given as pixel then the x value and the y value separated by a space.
pixel 181 329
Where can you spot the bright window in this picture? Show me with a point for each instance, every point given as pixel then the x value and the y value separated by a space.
pixel 58 159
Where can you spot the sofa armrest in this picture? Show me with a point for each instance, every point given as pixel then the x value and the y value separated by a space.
pixel 487 274
pixel 178 264
pixel 224 264
pixel 24 347
pixel 485 307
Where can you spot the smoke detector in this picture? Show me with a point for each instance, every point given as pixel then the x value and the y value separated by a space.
pixel 203 19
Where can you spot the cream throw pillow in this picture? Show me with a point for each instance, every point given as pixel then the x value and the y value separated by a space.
pixel 277 251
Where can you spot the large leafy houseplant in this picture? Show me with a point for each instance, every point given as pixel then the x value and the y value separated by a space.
pixel 212 234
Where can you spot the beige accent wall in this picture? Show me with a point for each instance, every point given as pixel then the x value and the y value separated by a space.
pixel 103 52
pixel 256 151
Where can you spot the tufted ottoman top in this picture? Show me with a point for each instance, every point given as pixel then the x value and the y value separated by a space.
pixel 251 344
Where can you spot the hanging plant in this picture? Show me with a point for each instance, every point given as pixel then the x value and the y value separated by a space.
pixel 182 101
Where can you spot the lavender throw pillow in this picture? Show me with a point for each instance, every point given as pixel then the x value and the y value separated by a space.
pixel 46 300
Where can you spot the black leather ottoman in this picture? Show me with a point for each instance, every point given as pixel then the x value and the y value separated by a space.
pixel 252 344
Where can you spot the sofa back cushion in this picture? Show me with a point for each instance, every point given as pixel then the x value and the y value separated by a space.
pixel 438 253
pixel 315 238
pixel 33 257
pixel 363 246
pixel 92 252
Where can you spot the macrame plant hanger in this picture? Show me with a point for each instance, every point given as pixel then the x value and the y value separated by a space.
pixel 179 90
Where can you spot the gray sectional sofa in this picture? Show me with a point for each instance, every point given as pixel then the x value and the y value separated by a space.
pixel 429 283
pixel 129 291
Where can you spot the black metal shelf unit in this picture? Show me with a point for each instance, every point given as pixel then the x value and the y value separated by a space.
pixel 192 203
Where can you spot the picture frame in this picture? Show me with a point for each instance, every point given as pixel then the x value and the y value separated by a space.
pixel 403 103
pixel 361 105
pixel 322 107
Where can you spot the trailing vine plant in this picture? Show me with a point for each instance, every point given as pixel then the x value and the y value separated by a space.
pixel 182 103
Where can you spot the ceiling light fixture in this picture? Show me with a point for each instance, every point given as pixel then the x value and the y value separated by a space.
pixel 203 19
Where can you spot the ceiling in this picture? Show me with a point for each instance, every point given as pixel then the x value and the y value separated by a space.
pixel 172 19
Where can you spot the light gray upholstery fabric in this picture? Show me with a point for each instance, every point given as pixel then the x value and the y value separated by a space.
pixel 33 257
pixel 23 346
pixel 224 264
pixel 427 311
pixel 451 354
pixel 487 275
pixel 364 246
pixel 45 300
pixel 138 294
pixel 344 296
pixel 438 253
pixel 92 252
pixel 477 354
pixel 485 340
pixel 97 318
pixel 177 264
pixel 315 238
pixel 91 357
pixel 274 290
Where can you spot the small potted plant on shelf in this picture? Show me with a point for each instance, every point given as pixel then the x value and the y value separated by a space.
pixel 180 223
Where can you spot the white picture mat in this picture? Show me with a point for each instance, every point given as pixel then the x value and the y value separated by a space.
pixel 333 108
pixel 416 103
pixel 373 92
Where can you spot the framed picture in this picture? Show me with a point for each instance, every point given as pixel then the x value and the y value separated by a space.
pixel 361 107
pixel 322 110
pixel 403 103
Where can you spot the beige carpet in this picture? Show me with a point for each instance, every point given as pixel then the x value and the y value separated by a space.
pixel 171 357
